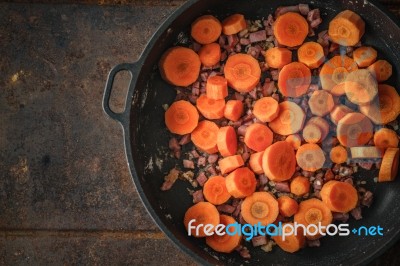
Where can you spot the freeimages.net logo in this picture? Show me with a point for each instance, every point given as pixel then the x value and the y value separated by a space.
pixel 280 229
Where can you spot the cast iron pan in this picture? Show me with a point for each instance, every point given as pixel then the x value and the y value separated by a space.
pixel 146 138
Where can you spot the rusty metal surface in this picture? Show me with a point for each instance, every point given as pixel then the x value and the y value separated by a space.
pixel 66 196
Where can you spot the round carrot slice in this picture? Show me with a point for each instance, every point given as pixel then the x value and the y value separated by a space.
pixel 266 109
pixel 279 161
pixel 321 103
pixel 339 196
pixel 310 157
pixel 360 87
pixel 354 129
pixel 243 72
pixel 386 138
pixel 293 242
pixel 311 54
pixel 346 28
pixel 225 243
pixel 290 29
pixel 390 165
pixel 210 108
pixel 300 186
pixel 278 57
pixel 233 110
pixel 364 56
pixel 338 154
pixel 258 137
pixel 201 213
pixel 287 206
pixel 241 182
pixel 290 119
pixel 381 69
pixel 294 79
pixel 210 54
pixel 180 66
pixel 204 136
pixel 181 117
pixel 233 24
pixel 206 29
pixel 215 191
pixel 260 207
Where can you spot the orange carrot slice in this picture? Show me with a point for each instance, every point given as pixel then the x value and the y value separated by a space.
pixel 279 161
pixel 202 213
pixel 339 112
pixel 260 207
pixel 354 129
pixel 293 242
pixel 258 137
pixel 364 56
pixel 360 87
pixel 310 157
pixel 339 196
pixel 287 206
pixel 311 54
pixel 217 88
pixel 206 29
pixel 294 79
pixel 227 141
pixel 300 186
pixel 266 109
pixel 290 29
pixel 225 243
pixel 278 57
pixel 233 24
pixel 386 138
pixel 241 182
pixel 312 133
pixel 230 163
pixel 181 117
pixel 290 119
pixel 243 72
pixel 381 69
pixel 321 103
pixel 210 54
pixel 180 66
pixel 346 28
pixel 322 124
pixel 210 108
pixel 390 165
pixel 233 110
pixel 255 162
pixel 214 190
pixel 294 140
pixel 204 136
pixel 338 154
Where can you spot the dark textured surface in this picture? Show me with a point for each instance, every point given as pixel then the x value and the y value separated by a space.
pixel 65 191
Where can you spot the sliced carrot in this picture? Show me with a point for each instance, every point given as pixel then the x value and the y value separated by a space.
pixel 230 163
pixel 366 152
pixel 360 87
pixel 346 28
pixel 287 206
pixel 290 29
pixel 243 72
pixel 255 162
pixel 338 154
pixel 300 186
pixel 312 133
pixel 180 66
pixel 210 54
pixel 202 213
pixel 364 56
pixel 334 72
pixel 339 196
pixel 290 119
pixel 322 124
pixel 279 161
pixel 227 141
pixel 241 182
pixel 225 243
pixel 321 103
pixel 294 140
pixel 266 109
pixel 214 190
pixel 278 57
pixel 233 110
pixel 233 24
pixel 217 88
pixel 210 108
pixel 386 138
pixel 181 117
pixel 390 165
pixel 260 207
pixel 339 112
pixel 311 54
pixel 294 79
pixel 313 211
pixel 204 136
pixel 354 129
pixel 293 242
pixel 381 69
pixel 386 106
pixel 258 137
pixel 310 157
pixel 206 29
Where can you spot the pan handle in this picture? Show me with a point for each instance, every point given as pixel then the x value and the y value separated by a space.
pixel 133 69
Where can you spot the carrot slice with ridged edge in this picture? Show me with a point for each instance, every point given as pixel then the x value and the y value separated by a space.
pixel 385 108
pixel 313 211
pixel 311 54
pixel 210 54
pixel 255 162
pixel 214 190
pixel 279 161
pixel 386 138
pixel 390 165
pixel 260 207
pixel 339 112
pixel 293 242
pixel 346 28
pixel 287 206
pixel 312 133
pixel 300 186
pixel 290 29
pixel 210 108
pixel 227 141
pixel 364 56
pixel 310 157
pixel 381 69
pixel 294 79
pixel 339 196
pixel 202 213
pixel 266 109
pixel 294 140
pixel 354 129
pixel 217 88
pixel 241 182
pixel 233 110
pixel 322 124
pixel 204 136
pixel 258 137
pixel 338 154
pixel 290 119
pixel 180 66
pixel 360 87
pixel 334 72
pixel 181 117
pixel 230 163
pixel 321 103
pixel 206 29
pixel 233 24
pixel 278 57
pixel 243 72
pixel 225 243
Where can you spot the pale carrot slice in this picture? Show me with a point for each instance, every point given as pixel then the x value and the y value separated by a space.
pixel 360 87
pixel 364 56
pixel 339 112
pixel 381 69
pixel 310 157
pixel 346 28
pixel 354 129
pixel 290 119
pixel 294 79
pixel 321 103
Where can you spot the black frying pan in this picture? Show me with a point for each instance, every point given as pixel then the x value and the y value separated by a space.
pixel 146 138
